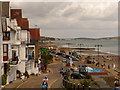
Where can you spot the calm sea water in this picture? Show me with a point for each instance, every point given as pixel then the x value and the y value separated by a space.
pixel 109 46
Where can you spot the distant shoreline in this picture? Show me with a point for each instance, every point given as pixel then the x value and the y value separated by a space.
pixel 85 50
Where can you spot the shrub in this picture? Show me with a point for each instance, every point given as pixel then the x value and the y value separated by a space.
pixel 88 76
pixel 26 74
pixel 86 83
pixel 4 79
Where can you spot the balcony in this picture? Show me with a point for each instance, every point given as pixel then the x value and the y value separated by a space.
pixel 6 36
pixel 14 61
pixel 30 57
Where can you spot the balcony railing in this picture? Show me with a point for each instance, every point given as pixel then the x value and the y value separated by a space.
pixel 6 35
pixel 14 60
pixel 30 57
pixel 6 38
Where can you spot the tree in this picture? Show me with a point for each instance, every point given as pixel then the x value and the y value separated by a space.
pixel 46 58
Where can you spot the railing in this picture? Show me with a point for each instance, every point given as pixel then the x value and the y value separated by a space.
pixel 30 57
pixel 14 60
pixel 6 38
pixel 69 85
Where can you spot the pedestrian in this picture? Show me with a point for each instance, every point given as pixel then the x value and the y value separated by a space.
pixel 22 77
pixel 108 66
pixel 45 79
pixel 116 83
pixel 102 65
pixel 44 84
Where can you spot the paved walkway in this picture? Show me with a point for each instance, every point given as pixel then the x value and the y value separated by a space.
pixel 55 80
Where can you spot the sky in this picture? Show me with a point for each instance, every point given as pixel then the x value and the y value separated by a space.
pixel 72 19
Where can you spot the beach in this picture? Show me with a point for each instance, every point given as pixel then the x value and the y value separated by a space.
pixel 109 60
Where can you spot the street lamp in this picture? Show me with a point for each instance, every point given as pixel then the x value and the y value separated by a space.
pixel 98 46
pixel 80 47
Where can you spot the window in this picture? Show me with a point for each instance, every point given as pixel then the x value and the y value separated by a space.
pixel 6 35
pixel 5 52
pixel 17 36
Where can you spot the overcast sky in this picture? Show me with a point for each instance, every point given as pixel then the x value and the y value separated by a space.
pixel 70 19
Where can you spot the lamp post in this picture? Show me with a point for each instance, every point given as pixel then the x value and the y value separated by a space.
pixel 98 46
pixel 80 47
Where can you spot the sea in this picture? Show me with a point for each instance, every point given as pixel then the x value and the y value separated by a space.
pixel 108 46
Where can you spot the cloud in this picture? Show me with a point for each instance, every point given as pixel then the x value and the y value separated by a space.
pixel 75 18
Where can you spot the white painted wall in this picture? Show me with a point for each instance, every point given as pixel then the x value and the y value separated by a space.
pixel 21 66
pixel 22 52
pixel 24 35
pixel 12 74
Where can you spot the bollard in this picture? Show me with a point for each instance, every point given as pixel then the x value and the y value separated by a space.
pixel 63 82
pixel 83 87
pixel 74 85
pixel 67 82
pixel 78 86
pixel 71 85
pixel 89 88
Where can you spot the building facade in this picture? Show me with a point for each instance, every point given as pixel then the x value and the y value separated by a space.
pixel 18 52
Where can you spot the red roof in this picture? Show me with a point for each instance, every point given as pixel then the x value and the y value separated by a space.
pixel 35 33
pixel 16 13
pixel 25 23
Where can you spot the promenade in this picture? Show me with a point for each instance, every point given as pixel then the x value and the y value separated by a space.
pixel 55 80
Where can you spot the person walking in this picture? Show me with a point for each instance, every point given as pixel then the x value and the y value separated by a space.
pixel 22 77
pixel 44 85
pixel 117 83
pixel 45 79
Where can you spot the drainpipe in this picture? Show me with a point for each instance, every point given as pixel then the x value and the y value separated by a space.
pixel 0 46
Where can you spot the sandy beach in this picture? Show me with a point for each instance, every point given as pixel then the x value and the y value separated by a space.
pixel 110 61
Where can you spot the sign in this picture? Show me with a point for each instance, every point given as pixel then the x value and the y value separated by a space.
pixel 89 69
pixel 96 71
pixel 44 49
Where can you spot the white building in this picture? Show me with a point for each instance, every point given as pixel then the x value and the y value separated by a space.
pixel 16 51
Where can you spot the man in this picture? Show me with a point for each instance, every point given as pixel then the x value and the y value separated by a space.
pixel 116 83
pixel 45 79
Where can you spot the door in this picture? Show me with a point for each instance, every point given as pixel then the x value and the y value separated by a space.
pixel 5 52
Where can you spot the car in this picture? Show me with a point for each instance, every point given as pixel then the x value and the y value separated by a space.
pixel 53 52
pixel 75 59
pixel 58 53
pixel 49 50
pixel 77 76
pixel 67 56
